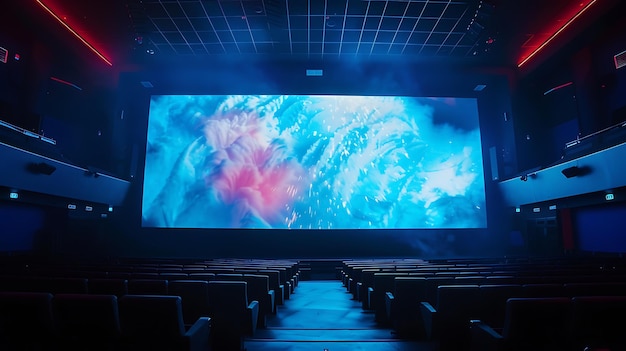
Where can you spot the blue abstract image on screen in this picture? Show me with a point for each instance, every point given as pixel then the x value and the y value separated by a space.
pixel 313 162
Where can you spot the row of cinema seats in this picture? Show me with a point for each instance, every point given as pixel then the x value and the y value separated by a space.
pixel 35 320
pixel 419 302
pixel 411 307
pixel 370 281
pixel 447 320
pixel 266 283
pixel 283 278
pixel 555 323
pixel 194 292
pixel 39 321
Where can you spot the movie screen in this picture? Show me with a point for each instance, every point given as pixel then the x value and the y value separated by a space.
pixel 313 162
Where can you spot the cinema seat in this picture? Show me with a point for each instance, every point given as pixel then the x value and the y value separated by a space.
pixel 259 290
pixel 26 321
pixel 597 322
pixel 595 289
pixel 543 290
pixel 493 302
pixel 275 284
pixel 195 298
pixel 147 287
pixel 59 285
pixel 155 322
pixel 232 315
pixel 403 305
pixel 383 283
pixel 448 320
pixel 233 277
pixel 202 276
pixel 530 324
pixel 117 287
pixel 173 276
pixel 86 321
pixel 285 280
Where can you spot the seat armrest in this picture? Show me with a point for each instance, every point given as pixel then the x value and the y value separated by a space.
pixel 429 317
pixel 389 304
pixel 358 292
pixel 484 337
pixel 367 299
pixel 198 336
pixel 280 295
pixel 253 310
pixel 427 307
pixel 272 301
pixel 287 288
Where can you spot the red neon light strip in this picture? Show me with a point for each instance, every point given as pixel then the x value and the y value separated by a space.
pixel 558 87
pixel 85 42
pixel 555 34
pixel 66 83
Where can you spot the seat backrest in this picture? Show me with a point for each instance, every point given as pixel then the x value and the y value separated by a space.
pixel 274 279
pixel 367 276
pixel 195 298
pixel 543 290
pixel 86 317
pixel 227 298
pixel 151 316
pixel 459 302
pixel 282 272
pixel 537 321
pixel 144 275
pixel 173 276
pixel 59 285
pixel 147 287
pixel 202 276
pixel 117 287
pixel 493 302
pixel 432 285
pixel 409 292
pixel 596 321
pixel 595 289
pixel 26 313
pixel 258 286
pixel 229 277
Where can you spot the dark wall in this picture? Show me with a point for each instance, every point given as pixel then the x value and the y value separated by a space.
pixel 57 88
pixel 590 99
pixel 593 99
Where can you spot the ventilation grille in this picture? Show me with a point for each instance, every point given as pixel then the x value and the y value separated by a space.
pixel 4 55
pixel 620 60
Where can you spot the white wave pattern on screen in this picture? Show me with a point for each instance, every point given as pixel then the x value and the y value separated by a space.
pixel 309 162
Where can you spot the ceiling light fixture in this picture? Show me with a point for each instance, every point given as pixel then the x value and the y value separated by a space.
pixel 78 36
pixel 555 34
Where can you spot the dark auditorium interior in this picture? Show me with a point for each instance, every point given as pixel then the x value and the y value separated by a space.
pixel 425 175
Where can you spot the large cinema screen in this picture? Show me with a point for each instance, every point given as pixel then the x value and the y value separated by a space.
pixel 313 162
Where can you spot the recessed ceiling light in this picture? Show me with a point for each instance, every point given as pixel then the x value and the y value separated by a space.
pixel 480 87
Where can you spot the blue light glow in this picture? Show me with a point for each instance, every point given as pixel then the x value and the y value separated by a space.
pixel 313 162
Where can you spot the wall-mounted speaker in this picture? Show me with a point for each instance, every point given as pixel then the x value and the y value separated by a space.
pixel 41 168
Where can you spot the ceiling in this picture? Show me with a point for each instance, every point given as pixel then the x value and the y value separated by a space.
pixel 499 32
pixel 313 28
